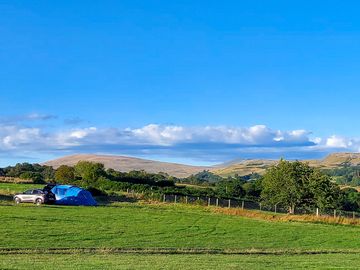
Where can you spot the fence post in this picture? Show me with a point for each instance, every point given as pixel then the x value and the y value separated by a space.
pixel 164 197
pixel 353 214
pixel 229 204
pixel 242 205
pixel 198 198
pixel 275 208
pixel 317 212
pixel 334 213
pixel 209 201
pixel 175 199
pixel 127 190
pixel 217 201
pixel 260 206
pixel 186 199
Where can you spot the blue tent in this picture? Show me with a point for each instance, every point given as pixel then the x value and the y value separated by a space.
pixel 72 195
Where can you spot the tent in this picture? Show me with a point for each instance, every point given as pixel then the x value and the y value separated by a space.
pixel 72 195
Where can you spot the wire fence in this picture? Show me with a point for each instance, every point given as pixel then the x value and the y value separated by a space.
pixel 243 204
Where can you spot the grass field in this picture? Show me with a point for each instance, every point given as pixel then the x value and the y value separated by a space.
pixel 11 188
pixel 130 261
pixel 151 229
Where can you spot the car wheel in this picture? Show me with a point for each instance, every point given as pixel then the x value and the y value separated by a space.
pixel 17 200
pixel 38 201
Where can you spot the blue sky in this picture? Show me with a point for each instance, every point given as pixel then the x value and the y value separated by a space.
pixel 199 82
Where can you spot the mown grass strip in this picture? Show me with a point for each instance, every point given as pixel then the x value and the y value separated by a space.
pixel 169 251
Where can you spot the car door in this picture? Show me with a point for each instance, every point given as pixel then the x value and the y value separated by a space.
pixel 36 193
pixel 27 196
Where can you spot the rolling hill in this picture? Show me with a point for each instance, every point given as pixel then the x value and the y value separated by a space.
pixel 240 167
pixel 126 164
pixel 245 167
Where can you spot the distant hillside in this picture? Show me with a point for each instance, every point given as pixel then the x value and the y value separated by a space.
pixel 240 167
pixel 126 164
pixel 244 167
pixel 339 159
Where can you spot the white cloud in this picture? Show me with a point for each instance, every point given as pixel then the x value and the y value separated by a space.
pixel 255 135
pixel 12 136
pixel 205 142
pixel 337 142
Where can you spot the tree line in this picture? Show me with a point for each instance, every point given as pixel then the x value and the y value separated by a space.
pixel 287 184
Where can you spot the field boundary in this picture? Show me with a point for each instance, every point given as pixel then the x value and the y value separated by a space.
pixel 169 251
pixel 268 216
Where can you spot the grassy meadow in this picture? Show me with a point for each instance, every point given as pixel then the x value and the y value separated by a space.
pixel 162 226
pixel 201 262
pixel 159 236
pixel 12 188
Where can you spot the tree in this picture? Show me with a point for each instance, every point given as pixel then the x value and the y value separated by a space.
pixel 65 174
pixel 295 184
pixel 325 193
pixel 253 188
pixel 89 171
pixel 231 187
pixel 48 173
pixel 36 177
pixel 350 199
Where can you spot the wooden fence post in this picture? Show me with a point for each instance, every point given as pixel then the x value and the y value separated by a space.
pixel 175 199
pixel 260 206
pixel 317 212
pixel 242 205
pixel 275 208
pixel 217 201
pixel 209 201
pixel 186 199
pixel 353 214
pixel 164 197
pixel 229 204
pixel 334 213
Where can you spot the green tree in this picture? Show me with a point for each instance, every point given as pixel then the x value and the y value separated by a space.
pixel 350 199
pixel 231 187
pixel 48 173
pixel 36 177
pixel 253 188
pixel 325 194
pixel 293 184
pixel 65 174
pixel 89 171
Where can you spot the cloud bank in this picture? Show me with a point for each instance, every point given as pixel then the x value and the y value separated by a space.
pixel 205 143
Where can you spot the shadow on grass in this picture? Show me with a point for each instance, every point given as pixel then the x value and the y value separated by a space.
pixel 109 200
pixel 6 198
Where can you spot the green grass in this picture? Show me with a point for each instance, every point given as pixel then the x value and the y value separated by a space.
pixel 12 188
pixel 130 261
pixel 144 226
pixel 152 227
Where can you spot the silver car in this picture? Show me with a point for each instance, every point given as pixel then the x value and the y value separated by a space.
pixel 36 196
